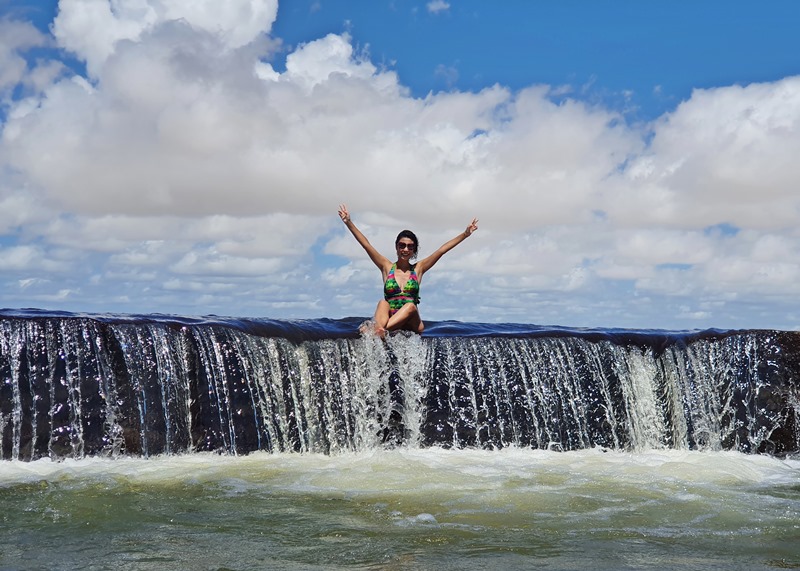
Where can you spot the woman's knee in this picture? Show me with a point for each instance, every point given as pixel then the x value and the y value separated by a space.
pixel 382 311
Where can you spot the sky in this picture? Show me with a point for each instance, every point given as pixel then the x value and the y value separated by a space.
pixel 632 164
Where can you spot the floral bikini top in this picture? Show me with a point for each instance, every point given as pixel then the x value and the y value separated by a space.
pixel 397 297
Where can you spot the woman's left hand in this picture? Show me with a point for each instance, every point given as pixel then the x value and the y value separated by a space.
pixel 472 227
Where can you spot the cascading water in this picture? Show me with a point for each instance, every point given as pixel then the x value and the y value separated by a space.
pixel 81 386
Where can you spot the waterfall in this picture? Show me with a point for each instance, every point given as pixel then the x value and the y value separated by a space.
pixel 77 386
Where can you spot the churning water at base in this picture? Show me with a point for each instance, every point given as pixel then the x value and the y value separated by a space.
pixel 414 509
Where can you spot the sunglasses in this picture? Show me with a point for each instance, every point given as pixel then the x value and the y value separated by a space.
pixel 405 246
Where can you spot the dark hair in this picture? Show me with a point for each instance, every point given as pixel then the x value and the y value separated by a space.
pixel 411 236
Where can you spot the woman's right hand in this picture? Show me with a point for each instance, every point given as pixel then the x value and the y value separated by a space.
pixel 344 214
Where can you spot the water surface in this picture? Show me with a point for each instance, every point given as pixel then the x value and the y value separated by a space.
pixel 404 509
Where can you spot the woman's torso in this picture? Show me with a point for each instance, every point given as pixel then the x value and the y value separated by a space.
pixel 398 295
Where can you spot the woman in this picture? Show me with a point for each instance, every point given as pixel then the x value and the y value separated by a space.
pixel 401 279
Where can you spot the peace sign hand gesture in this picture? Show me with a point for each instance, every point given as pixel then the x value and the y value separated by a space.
pixel 344 214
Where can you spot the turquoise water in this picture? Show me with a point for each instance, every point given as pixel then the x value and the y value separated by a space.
pixel 404 509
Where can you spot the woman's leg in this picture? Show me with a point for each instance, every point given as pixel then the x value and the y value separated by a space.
pixel 379 320
pixel 407 317
pixel 381 317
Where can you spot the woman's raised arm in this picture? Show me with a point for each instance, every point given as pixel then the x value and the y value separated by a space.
pixel 426 264
pixel 377 258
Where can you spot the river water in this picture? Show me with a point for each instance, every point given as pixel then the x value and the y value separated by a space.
pixel 163 442
pixel 408 508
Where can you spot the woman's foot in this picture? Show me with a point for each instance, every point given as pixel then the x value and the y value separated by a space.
pixel 372 328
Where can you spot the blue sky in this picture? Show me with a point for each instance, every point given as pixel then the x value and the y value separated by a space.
pixel 632 163
pixel 655 51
